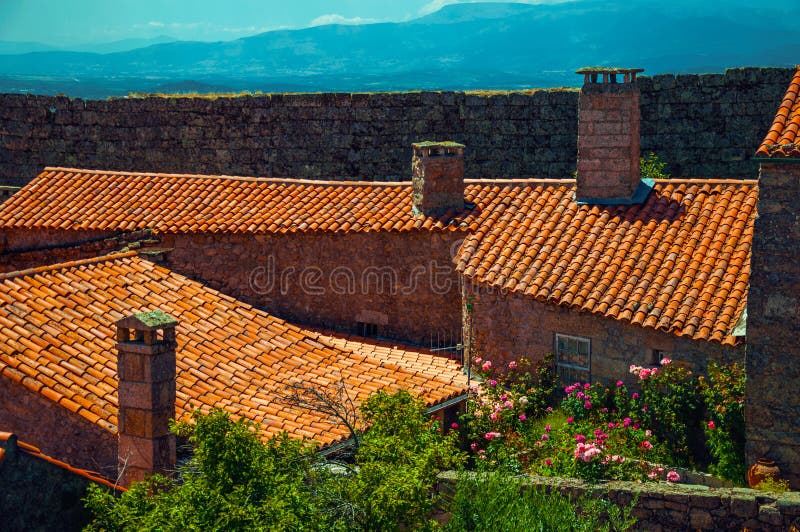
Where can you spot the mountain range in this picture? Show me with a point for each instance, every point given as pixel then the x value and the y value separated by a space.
pixel 461 46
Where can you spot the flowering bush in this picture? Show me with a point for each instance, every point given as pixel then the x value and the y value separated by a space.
pixel 498 416
pixel 723 394
pixel 671 406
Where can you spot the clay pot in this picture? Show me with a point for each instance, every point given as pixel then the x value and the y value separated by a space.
pixel 762 469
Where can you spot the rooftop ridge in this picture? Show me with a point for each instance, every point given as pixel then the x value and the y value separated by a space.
pixel 277 180
pixel 64 265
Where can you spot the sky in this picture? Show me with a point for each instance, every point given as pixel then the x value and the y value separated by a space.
pixel 69 22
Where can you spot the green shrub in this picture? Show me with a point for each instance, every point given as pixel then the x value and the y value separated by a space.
pixel 497 502
pixel 723 394
pixel 652 167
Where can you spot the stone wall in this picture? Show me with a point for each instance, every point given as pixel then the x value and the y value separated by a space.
pixel 773 322
pixel 505 326
pixel 37 494
pixel 402 282
pixel 663 507
pixel 57 431
pixel 704 126
pixel 55 247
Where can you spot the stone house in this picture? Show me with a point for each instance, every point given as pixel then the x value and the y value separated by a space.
pixel 605 271
pixel 89 379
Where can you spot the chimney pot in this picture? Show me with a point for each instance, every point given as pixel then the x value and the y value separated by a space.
pixel 146 395
pixel 437 178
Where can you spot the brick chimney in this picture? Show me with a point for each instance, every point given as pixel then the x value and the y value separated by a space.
pixel 146 367
pixel 608 138
pixel 437 178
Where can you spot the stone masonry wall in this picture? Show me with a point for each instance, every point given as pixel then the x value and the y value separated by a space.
pixel 56 431
pixel 506 326
pixel 403 282
pixel 702 125
pixel 39 495
pixel 773 322
pixel 662 507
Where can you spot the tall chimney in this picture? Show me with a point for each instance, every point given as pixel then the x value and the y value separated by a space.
pixel 608 138
pixel 437 178
pixel 146 367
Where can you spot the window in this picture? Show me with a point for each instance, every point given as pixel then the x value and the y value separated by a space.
pixel 367 330
pixel 657 355
pixel 573 359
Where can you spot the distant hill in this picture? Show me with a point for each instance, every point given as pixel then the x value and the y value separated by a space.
pixel 462 46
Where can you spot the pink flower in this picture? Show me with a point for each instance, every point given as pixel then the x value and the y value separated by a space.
pixel 580 438
pixel 512 365
pixel 522 417
pixel 547 428
pixel 652 475
pixel 673 476
pixel 580 395
pixel 549 409
pixel 492 435
pixel 644 373
pixel 635 396
pixel 548 462
pixel 570 420
pixel 653 372
pixel 586 386
pixel 503 397
pixel 666 361
pixel 587 405
pixel 473 446
pixel 486 365
pixel 493 416
pixel 508 404
pixel 478 360
pixel 646 445
pixel 648 433
pixel 492 382
pixel 619 383
pixel 586 451
pixel 482 457
pixel 524 401
pixel 626 422
pixel 611 425
pixel 454 425
pixel 545 437
pixel 712 425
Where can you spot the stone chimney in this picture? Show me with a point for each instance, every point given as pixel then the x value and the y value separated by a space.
pixel 146 367
pixel 437 178
pixel 608 138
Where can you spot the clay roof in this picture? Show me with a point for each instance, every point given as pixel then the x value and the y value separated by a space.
pixel 679 262
pixel 783 138
pixel 58 328
pixel 61 198
pixel 35 452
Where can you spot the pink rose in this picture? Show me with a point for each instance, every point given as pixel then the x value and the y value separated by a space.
pixel 652 475
pixel 580 438
pixel 486 365
pixel 522 417
pixel 492 435
pixel 635 396
pixel 646 445
pixel 587 405
pixel 666 361
pixel 570 420
pixel 619 383
pixel 548 462
pixel 673 476
pixel 478 360
pixel 492 382
pixel 512 365
pixel 454 425
pixel 547 428
pixel 712 425
pixel 545 437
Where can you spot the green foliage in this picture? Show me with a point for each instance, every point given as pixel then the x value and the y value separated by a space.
pixel 398 461
pixel 234 482
pixel 652 167
pixel 498 502
pixel 672 408
pixel 773 485
pixel 723 394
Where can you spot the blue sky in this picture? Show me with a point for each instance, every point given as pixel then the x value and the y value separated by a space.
pixel 66 22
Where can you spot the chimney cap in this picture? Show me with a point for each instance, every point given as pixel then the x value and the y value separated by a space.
pixel 591 74
pixel 147 321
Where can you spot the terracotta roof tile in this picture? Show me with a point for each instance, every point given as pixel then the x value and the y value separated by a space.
pixel 95 200
pixel 783 138
pixel 679 262
pixel 256 356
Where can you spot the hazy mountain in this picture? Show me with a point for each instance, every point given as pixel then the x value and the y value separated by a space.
pixel 462 46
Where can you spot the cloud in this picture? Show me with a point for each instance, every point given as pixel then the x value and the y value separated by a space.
pixel 339 19
pixel 155 24
pixel 436 5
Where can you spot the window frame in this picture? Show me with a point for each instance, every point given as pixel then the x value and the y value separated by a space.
pixel 587 369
